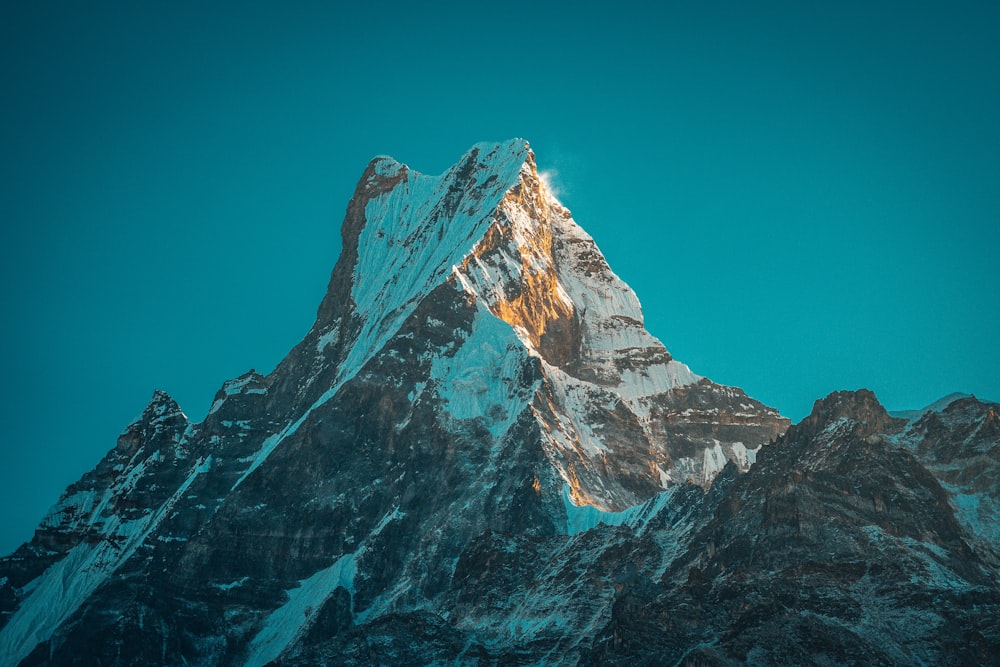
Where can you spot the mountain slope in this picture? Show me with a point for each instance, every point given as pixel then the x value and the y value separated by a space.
pixel 958 439
pixel 477 454
pixel 837 547
pixel 475 369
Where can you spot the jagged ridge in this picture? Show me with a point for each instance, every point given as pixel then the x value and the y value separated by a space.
pixel 471 329
pixel 476 373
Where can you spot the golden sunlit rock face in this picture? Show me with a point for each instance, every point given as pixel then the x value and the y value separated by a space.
pixel 619 419
pixel 534 302
pixel 424 480
pixel 607 402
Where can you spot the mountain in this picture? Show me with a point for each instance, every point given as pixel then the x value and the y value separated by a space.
pixel 956 439
pixel 478 454
pixel 838 547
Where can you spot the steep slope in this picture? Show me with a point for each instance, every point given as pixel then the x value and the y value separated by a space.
pixel 838 547
pixel 958 439
pixel 489 229
pixel 475 369
pixel 478 455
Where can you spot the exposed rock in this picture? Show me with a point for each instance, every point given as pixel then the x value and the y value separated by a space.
pixel 837 547
pixel 478 454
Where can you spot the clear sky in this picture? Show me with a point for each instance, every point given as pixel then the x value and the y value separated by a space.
pixel 804 198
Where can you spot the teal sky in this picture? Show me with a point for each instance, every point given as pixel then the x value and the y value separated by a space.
pixel 804 198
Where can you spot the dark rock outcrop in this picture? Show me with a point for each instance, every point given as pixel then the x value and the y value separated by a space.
pixel 837 547
pixel 479 455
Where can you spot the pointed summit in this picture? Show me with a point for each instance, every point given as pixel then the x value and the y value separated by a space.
pixel 620 418
pixel 476 368
pixel 861 408
pixel 405 487
pixel 163 414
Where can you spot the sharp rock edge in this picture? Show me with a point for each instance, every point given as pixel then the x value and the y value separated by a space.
pixel 478 453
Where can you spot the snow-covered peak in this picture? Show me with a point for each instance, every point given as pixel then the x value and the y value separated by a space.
pixel 162 415
pixel 489 234
pixel 539 271
pixel 386 166
pixel 415 231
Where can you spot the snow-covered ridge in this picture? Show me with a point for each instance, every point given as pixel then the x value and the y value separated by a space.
pixel 581 518
pixel 559 278
pixel 417 231
pixel 413 235
pixel 59 591
pixel 490 227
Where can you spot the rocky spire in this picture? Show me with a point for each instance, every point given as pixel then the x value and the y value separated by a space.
pixel 861 408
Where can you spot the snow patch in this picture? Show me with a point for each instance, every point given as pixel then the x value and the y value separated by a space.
pixel 327 338
pixel 482 380
pixel 231 585
pixel 581 518
pixel 745 457
pixel 59 591
pixel 289 621
pixel 714 462
pixel 979 514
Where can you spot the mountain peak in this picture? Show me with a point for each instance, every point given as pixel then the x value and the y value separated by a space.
pixel 860 406
pixel 163 414
pixel 489 240
pixel 405 232
pixel 475 366
pixel 487 153
pixel 937 406
pixel 161 407
pixel 406 486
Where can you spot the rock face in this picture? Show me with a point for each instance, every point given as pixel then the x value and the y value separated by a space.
pixel 837 547
pixel 958 443
pixel 478 454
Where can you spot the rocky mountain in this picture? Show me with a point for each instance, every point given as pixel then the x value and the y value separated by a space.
pixel 479 455
pixel 838 547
